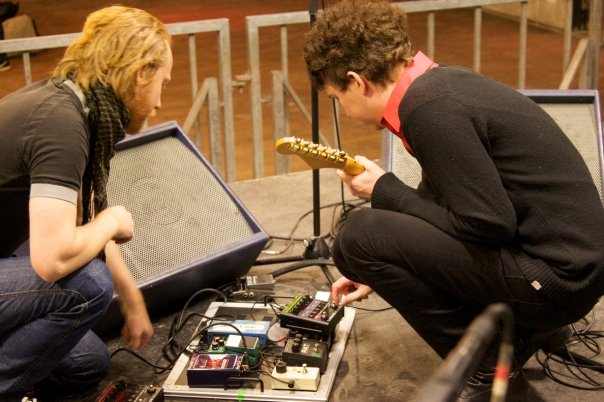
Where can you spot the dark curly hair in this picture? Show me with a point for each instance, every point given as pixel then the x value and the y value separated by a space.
pixel 367 37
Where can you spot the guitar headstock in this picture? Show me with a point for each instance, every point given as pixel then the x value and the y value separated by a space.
pixel 319 156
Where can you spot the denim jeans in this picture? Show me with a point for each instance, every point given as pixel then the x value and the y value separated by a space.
pixel 45 337
pixel 438 283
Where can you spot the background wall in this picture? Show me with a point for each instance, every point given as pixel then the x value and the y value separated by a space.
pixel 546 13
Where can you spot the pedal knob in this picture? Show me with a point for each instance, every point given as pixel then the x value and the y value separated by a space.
pixel 281 367
pixel 296 346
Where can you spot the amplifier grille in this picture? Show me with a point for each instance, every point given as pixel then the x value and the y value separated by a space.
pixel 179 208
pixel 578 123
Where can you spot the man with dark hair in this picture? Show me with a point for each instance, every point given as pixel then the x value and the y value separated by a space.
pixel 57 138
pixel 506 211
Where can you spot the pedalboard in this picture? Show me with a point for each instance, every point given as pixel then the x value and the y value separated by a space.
pixel 295 378
pixel 212 370
pixel 312 314
pixel 121 391
pixel 300 351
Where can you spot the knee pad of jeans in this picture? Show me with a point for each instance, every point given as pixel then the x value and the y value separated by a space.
pixel 94 282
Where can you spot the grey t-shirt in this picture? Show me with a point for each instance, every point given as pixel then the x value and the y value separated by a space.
pixel 44 145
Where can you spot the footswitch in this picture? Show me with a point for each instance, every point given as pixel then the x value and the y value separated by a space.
pixel 295 378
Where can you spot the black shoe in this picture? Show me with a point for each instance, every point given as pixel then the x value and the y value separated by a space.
pixel 549 341
pixel 478 388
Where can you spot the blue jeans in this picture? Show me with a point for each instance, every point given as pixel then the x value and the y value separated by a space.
pixel 45 337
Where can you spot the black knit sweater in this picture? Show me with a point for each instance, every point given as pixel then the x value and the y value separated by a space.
pixel 498 171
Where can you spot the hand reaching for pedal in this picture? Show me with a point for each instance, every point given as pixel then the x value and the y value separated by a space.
pixel 344 291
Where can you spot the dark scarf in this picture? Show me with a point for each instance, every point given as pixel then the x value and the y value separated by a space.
pixel 107 121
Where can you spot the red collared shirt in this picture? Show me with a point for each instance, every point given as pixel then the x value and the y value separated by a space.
pixel 390 119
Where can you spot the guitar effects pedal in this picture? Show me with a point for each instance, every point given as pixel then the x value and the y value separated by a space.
pixel 121 391
pixel 300 351
pixel 312 314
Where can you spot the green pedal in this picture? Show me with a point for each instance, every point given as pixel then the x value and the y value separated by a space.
pixel 217 345
pixel 234 344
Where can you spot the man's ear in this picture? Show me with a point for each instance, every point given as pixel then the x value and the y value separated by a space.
pixel 142 76
pixel 357 81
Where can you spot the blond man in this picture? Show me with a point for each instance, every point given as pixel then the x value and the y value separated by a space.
pixel 57 137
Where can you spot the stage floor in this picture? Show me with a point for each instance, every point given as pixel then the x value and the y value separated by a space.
pixel 384 359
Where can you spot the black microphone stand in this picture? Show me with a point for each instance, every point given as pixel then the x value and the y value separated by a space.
pixel 447 383
pixel 317 251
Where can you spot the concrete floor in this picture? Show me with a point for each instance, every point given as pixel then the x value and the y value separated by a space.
pixel 384 359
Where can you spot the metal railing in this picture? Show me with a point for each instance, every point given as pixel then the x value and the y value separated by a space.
pixel 587 52
pixel 220 100
pixel 208 93
pixel 282 89
pixel 254 23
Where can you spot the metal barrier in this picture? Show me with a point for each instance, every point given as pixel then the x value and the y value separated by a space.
pixel 208 90
pixel 586 55
pixel 254 23
pixel 586 51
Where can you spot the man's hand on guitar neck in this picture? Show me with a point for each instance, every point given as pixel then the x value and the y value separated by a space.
pixel 362 184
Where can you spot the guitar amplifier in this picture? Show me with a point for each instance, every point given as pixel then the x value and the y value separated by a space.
pixel 190 230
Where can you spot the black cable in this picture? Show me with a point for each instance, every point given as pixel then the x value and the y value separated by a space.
pixel 171 350
pixel 378 310
pixel 338 222
pixel 300 264
pixel 295 227
pixel 273 377
pixel 338 146
pixel 157 368
pixel 205 290
pixel 570 368
pixel 348 205
pixel 276 237
pixel 171 346
pixel 138 356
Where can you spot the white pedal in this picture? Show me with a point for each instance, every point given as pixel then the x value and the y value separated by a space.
pixel 296 378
